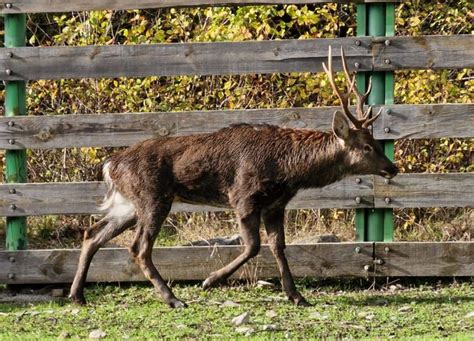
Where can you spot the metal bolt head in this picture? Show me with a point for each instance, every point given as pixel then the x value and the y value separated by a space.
pixel 11 276
pixel 8 5
pixel 388 111
pixel 358 43
pixel 357 249
pixel 11 259
pixel 378 261
pixel 387 181
pixel 387 42
pixel 163 131
pixel 9 54
pixel 11 141
pixel 366 267
pixel 386 249
pixel 357 65
pixel 386 130
pixel 11 123
pixel 8 72
pixel 388 61
pixel 13 207
pixel 12 191
pixel 358 200
pixel 388 200
pixel 358 180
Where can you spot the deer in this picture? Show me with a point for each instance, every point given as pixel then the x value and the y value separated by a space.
pixel 253 169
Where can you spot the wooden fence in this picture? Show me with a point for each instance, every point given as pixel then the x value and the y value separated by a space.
pixel 364 53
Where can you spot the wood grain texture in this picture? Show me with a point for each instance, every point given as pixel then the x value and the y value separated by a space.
pixel 426 190
pixel 45 6
pixel 425 121
pixel 115 130
pixel 171 59
pixel 424 52
pixel 248 57
pixel 83 198
pixel 448 259
pixel 184 263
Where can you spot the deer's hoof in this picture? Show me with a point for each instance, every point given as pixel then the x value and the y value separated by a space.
pixel 175 303
pixel 210 282
pixel 78 299
pixel 301 302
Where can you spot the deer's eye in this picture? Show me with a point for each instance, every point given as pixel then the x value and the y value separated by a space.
pixel 368 148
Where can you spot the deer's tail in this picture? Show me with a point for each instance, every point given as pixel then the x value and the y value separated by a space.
pixel 114 203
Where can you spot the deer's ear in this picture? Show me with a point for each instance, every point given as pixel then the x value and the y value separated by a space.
pixel 340 126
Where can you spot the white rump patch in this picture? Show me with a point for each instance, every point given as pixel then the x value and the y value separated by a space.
pixel 115 203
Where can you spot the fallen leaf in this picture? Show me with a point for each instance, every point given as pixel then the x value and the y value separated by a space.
pixel 244 330
pixel 97 334
pixel 405 309
pixel 229 304
pixel 271 314
pixel 469 315
pixel 241 319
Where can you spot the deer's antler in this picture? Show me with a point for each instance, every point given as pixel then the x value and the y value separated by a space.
pixel 363 119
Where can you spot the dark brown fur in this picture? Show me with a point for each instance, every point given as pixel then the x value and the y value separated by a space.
pixel 254 169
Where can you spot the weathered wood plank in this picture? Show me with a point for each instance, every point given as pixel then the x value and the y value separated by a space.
pixel 447 259
pixel 83 197
pixel 184 263
pixel 44 6
pixel 425 121
pixel 424 52
pixel 248 57
pixel 425 190
pixel 114 130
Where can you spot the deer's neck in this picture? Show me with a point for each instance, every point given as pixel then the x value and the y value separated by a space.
pixel 318 159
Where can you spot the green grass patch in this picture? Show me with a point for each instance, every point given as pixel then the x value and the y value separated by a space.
pixel 135 312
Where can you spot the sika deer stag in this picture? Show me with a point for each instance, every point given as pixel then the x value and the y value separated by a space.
pixel 254 169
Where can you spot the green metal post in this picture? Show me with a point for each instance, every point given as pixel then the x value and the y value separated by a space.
pixel 378 20
pixel 15 104
pixel 361 213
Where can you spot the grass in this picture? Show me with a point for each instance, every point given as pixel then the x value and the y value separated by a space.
pixel 341 310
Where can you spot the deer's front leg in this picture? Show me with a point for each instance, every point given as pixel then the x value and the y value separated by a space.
pixel 273 220
pixel 249 227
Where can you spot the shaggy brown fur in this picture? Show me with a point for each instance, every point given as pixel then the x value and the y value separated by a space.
pixel 254 169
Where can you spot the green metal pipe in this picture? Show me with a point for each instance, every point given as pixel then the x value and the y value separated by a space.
pixel 15 104
pixel 376 27
pixel 376 20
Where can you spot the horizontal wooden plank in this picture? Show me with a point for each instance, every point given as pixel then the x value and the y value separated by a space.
pixel 114 130
pixel 448 259
pixel 425 190
pixel 423 52
pixel 183 263
pixel 405 190
pixel 248 57
pixel 425 121
pixel 83 197
pixel 45 6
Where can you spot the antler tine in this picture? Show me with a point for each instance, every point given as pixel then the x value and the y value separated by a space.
pixel 349 79
pixel 344 98
pixel 371 120
pixel 361 98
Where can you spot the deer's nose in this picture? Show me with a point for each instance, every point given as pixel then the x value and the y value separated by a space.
pixel 389 172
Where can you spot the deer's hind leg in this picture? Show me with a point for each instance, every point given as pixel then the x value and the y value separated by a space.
pixel 148 226
pixel 249 221
pixel 94 238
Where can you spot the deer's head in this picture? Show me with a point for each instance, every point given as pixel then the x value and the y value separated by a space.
pixel 366 155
